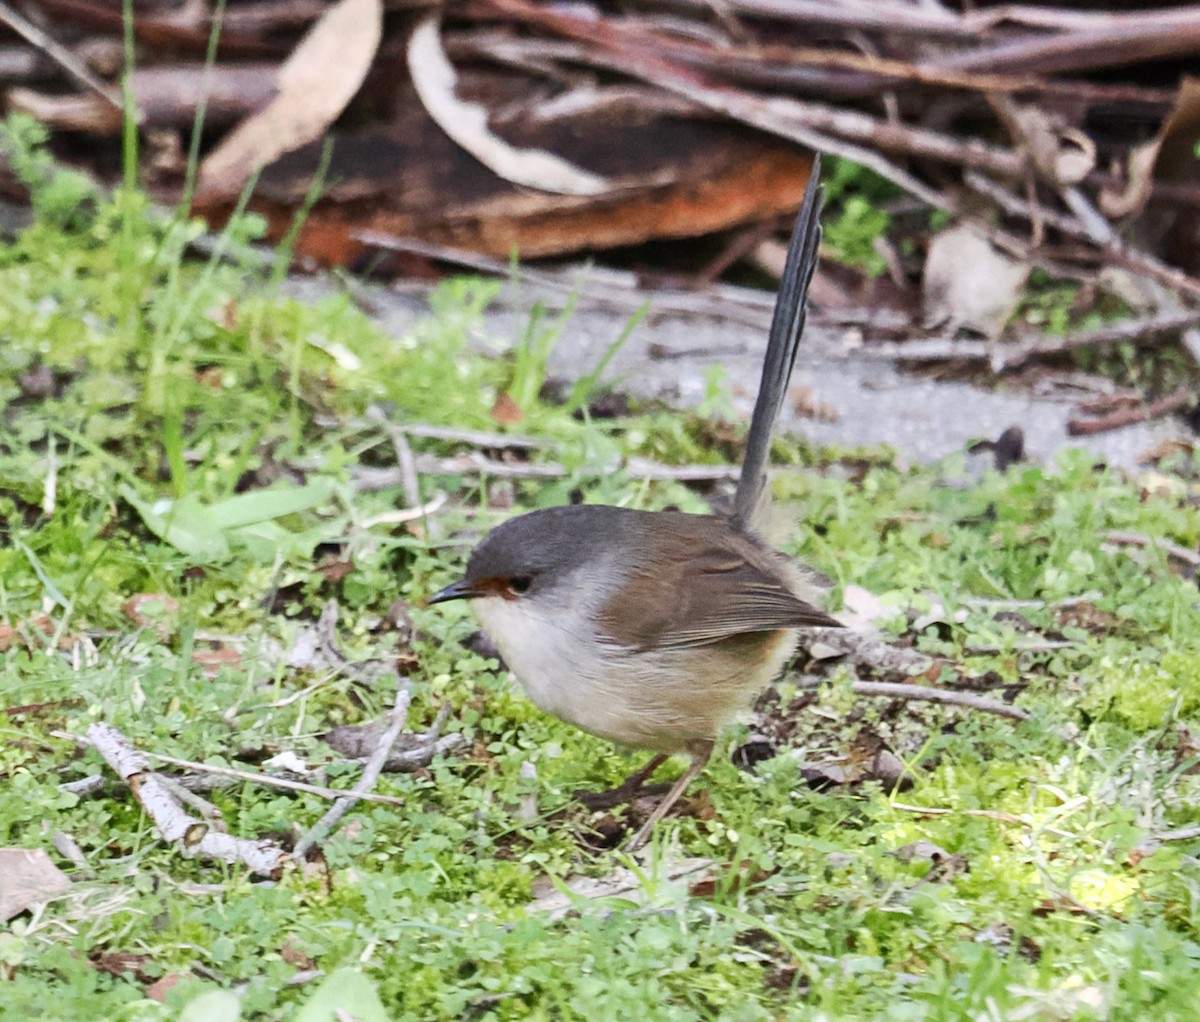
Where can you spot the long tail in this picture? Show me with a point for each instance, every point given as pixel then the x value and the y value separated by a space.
pixel 787 326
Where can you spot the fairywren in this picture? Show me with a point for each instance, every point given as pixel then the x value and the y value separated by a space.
pixel 654 629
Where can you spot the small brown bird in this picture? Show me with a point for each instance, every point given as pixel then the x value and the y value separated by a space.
pixel 655 629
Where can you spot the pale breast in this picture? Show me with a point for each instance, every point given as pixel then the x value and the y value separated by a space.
pixel 660 700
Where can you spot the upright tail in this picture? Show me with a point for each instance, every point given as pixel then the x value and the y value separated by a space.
pixel 787 326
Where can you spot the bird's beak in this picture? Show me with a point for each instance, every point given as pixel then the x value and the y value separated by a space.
pixel 460 590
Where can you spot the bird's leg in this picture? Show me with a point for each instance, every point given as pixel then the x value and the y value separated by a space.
pixel 701 751
pixel 626 790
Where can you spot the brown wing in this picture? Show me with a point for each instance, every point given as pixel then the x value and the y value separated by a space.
pixel 700 580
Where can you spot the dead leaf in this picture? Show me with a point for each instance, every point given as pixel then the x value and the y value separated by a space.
pixel 316 82
pixel 1086 615
pixel 862 610
pixel 969 283
pixel 212 660
pixel 116 963
pixel 506 411
pixel 1062 154
pixel 807 405
pixel 467 124
pixel 37 383
pixel 333 569
pixel 558 899
pixel 1166 156
pixel 23 633
pixel 1170 448
pixel 27 876
pixel 152 610
pixel 291 954
pixel 158 990
pixel 890 771
pixel 1007 449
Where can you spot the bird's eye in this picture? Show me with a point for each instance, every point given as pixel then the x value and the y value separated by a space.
pixel 519 584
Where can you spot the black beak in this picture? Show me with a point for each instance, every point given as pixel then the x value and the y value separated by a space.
pixel 460 590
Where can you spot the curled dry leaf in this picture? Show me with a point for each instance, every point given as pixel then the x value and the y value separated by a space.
pixel 211 660
pixel 152 610
pixel 557 898
pixel 969 283
pixel 1062 155
pixel 1170 155
pixel 506 411
pixel 315 83
pixel 467 124
pixel 27 876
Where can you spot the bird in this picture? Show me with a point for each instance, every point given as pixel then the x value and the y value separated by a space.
pixel 656 629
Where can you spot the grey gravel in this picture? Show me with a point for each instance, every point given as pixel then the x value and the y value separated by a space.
pixel 874 402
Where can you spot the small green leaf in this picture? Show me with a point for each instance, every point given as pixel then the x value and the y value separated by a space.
pixel 185 524
pixel 346 993
pixel 264 505
pixel 212 1006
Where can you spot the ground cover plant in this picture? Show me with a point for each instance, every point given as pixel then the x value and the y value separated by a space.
pixel 192 468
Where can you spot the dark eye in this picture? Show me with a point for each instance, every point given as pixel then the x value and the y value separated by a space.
pixel 519 584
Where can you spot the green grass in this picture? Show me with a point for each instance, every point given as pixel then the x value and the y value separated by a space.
pixel 181 389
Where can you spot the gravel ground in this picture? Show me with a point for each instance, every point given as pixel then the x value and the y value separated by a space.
pixel 871 401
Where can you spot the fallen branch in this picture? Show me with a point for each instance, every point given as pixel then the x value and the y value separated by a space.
pixel 366 782
pixel 271 782
pixel 61 55
pixel 194 837
pixel 366 478
pixel 594 285
pixel 1190 559
pixel 1176 401
pixel 1138 331
pixel 473 437
pixel 899 690
pixel 1118 250
pixel 985 814
pixel 869 651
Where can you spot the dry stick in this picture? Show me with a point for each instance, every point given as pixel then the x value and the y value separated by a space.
pixel 370 775
pixel 474 437
pixel 1118 250
pixel 1179 834
pixel 271 782
pixel 778 116
pixel 1146 37
pixel 602 287
pixel 986 814
pixel 59 54
pixel 910 19
pixel 406 514
pixel 867 650
pixel 899 690
pixel 404 456
pixel 193 837
pixel 407 466
pixel 1125 537
pixel 1176 401
pixel 1135 330
pixel 367 478
pixel 803 68
pixel 1058 19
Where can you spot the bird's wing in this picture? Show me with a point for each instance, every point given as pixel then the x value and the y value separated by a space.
pixel 727 585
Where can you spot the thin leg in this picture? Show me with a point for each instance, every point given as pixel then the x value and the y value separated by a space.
pixel 640 777
pixel 624 792
pixel 700 756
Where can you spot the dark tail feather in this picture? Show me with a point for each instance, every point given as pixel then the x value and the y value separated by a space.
pixel 787 326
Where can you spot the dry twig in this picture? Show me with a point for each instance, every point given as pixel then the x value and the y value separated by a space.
pixel 366 782
pixel 899 690
pixel 193 837
pixel 1176 401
